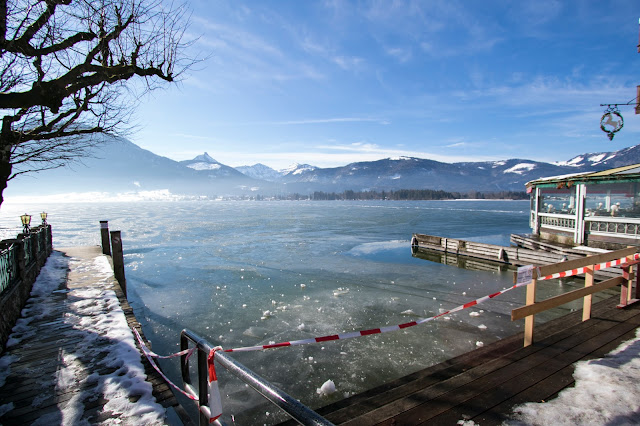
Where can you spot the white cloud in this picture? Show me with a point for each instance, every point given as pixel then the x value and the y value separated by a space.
pixel 401 54
pixel 349 63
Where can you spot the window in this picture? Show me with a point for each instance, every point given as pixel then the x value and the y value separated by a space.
pixel 557 201
pixel 613 200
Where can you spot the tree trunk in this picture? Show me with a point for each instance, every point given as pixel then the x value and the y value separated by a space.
pixel 5 173
pixel 7 138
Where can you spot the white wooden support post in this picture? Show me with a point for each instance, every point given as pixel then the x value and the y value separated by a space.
pixel 581 191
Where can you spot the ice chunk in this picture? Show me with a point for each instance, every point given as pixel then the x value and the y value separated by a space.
pixel 482 327
pixel 327 388
pixel 408 312
pixel 479 344
pixel 340 291
pixel 474 314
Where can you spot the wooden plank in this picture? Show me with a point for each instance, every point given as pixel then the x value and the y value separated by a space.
pixel 455 384
pixel 556 301
pixel 490 398
pixel 428 403
pixel 492 378
pixel 366 401
pixel 547 388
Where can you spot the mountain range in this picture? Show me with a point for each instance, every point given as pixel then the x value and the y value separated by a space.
pixel 118 166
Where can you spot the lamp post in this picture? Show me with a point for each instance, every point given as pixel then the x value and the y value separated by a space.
pixel 43 216
pixel 26 221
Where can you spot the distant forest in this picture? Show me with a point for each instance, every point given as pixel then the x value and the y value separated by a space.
pixel 408 194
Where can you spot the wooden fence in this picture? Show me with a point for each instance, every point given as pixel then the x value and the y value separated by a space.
pixel 588 264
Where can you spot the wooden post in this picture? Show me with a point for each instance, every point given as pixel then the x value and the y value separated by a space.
pixel 118 260
pixel 586 303
pixel 637 276
pixel 629 277
pixel 529 320
pixel 626 289
pixel 104 231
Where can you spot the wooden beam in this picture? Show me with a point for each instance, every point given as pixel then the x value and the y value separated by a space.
pixel 556 301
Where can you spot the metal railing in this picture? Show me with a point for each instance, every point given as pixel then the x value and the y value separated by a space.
pixel 294 408
pixel 8 266
pixel 22 253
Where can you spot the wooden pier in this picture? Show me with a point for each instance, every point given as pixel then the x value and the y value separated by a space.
pixel 29 393
pixel 525 251
pixel 486 384
pixel 512 255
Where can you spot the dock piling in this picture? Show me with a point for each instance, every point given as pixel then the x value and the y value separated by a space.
pixel 104 231
pixel 118 260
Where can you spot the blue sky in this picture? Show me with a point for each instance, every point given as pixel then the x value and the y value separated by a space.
pixel 333 82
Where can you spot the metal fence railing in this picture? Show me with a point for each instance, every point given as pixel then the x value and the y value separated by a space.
pixel 8 266
pixel 294 408
pixel 19 254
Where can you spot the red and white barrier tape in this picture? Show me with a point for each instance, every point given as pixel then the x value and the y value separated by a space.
pixel 424 320
pixel 387 329
pixel 604 265
pixel 371 331
pixel 215 402
pixel 150 355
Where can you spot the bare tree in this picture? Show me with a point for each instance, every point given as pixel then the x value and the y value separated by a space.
pixel 65 67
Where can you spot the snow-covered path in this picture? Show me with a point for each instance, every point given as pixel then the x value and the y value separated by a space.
pixel 71 358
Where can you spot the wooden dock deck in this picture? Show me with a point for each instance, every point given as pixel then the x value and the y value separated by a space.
pixel 484 385
pixel 52 375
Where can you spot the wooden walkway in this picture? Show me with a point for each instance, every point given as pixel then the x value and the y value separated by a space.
pixel 484 385
pixel 36 389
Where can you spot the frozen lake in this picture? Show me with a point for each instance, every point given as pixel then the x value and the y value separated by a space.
pixel 318 268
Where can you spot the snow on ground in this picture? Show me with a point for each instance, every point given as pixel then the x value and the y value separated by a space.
pixel 607 392
pixel 92 369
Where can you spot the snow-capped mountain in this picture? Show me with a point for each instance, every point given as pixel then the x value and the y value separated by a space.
pixel 297 169
pixel 203 162
pixel 605 160
pixel 206 165
pixel 418 173
pixel 260 171
pixel 119 165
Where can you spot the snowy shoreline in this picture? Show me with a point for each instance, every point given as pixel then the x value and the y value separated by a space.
pixel 105 364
